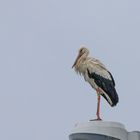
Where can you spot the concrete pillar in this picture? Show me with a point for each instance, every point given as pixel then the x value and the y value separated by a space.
pixel 100 130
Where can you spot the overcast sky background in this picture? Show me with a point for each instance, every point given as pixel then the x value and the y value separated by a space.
pixel 41 97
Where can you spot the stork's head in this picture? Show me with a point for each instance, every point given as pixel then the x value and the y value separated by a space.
pixel 83 53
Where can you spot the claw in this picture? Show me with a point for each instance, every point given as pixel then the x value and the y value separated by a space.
pixel 98 119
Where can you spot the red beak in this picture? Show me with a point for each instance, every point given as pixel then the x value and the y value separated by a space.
pixel 79 55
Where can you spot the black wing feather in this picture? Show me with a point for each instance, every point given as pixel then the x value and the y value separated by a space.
pixel 108 86
pixel 112 78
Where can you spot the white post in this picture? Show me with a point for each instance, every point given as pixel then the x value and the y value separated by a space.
pixel 100 130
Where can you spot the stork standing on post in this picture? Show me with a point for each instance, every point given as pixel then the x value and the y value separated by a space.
pixel 98 77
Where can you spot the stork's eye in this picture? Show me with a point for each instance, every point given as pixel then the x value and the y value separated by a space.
pixel 82 50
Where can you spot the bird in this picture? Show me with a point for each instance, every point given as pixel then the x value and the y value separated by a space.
pixel 98 76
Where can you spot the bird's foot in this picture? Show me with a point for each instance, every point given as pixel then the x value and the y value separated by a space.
pixel 98 119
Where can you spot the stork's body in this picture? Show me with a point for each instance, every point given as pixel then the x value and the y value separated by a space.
pixel 98 77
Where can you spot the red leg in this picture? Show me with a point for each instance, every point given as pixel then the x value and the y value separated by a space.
pixel 98 105
pixel 98 108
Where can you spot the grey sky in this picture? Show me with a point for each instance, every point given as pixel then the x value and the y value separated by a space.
pixel 41 97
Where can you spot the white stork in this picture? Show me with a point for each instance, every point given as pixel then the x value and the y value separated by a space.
pixel 98 77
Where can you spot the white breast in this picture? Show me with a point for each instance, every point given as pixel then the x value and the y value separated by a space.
pixel 90 81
